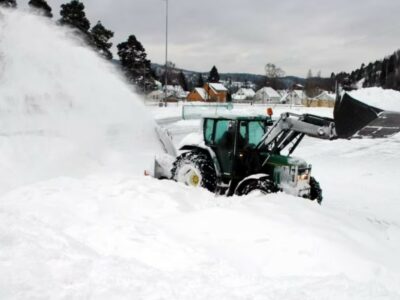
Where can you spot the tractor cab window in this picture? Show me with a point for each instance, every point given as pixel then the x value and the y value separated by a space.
pixel 252 132
pixel 208 131
pixel 223 130
pixel 224 143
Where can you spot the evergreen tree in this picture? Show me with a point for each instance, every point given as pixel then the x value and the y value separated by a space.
pixel 8 3
pixel 214 75
pixel 228 97
pixel 135 64
pixel 42 6
pixel 383 72
pixel 73 14
pixel 391 64
pixel 182 81
pixel 100 39
pixel 200 81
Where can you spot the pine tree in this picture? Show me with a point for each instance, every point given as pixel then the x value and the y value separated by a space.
pixel 100 39
pixel 42 6
pixel 73 14
pixel 200 81
pixel 135 64
pixel 214 75
pixel 182 81
pixel 391 64
pixel 8 3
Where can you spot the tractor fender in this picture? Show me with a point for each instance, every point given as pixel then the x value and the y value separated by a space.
pixel 206 150
pixel 247 179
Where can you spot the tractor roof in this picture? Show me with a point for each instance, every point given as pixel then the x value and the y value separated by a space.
pixel 239 117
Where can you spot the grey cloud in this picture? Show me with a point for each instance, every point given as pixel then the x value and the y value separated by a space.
pixel 242 35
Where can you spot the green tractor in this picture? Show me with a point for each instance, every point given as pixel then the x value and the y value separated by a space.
pixel 236 155
pixel 231 157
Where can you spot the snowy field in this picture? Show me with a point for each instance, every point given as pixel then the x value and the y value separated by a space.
pixel 119 235
pixel 78 220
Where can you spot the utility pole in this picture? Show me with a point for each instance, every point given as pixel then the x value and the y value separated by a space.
pixel 166 52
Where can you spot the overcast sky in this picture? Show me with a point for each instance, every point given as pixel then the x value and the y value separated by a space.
pixel 242 36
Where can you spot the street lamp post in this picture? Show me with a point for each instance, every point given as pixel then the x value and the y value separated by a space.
pixel 166 52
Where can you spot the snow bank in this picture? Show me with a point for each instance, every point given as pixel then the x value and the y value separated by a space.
pixel 378 97
pixel 116 237
pixel 63 109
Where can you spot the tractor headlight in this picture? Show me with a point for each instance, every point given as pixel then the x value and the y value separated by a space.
pixel 303 177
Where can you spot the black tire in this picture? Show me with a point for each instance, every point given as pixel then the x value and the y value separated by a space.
pixel 265 186
pixel 202 163
pixel 315 190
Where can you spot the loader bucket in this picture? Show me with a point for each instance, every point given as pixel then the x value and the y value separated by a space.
pixel 355 118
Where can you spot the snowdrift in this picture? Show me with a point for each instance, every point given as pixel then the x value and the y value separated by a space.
pixel 63 109
pixel 378 97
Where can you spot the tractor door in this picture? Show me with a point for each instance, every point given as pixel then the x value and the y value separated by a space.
pixel 222 142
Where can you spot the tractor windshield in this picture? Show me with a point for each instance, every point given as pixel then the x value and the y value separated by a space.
pixel 252 132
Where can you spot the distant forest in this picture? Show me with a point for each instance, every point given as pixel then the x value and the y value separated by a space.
pixel 383 73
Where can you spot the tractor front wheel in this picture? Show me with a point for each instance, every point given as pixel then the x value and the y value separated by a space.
pixel 195 169
pixel 264 186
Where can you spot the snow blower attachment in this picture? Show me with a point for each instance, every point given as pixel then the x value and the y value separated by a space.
pixel 236 155
pixel 354 118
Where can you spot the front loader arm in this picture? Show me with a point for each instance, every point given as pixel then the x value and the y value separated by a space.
pixel 352 118
pixel 291 128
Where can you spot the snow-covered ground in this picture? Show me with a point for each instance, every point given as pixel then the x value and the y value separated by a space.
pixel 77 220
pixel 123 236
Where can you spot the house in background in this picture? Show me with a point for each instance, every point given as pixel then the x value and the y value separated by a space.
pixel 157 95
pixel 173 90
pixel 217 92
pixel 244 94
pixel 325 99
pixel 198 94
pixel 169 93
pixel 210 92
pixel 267 95
pixel 297 97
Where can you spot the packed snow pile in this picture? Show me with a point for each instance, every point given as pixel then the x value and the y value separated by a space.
pixel 378 97
pixel 119 237
pixel 63 109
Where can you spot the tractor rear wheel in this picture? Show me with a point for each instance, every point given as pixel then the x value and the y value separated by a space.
pixel 264 186
pixel 315 190
pixel 195 169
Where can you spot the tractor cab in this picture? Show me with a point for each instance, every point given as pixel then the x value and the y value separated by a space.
pixel 237 145
pixel 234 140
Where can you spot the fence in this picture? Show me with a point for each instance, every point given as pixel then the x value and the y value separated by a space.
pixel 197 111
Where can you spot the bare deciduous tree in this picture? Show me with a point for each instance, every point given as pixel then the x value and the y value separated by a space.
pixel 273 74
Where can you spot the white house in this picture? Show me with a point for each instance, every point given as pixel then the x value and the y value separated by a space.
pixel 155 95
pixel 244 94
pixel 267 95
pixel 173 90
pixel 293 97
pixel 326 96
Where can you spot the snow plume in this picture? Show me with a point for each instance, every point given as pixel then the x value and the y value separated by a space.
pixel 63 109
